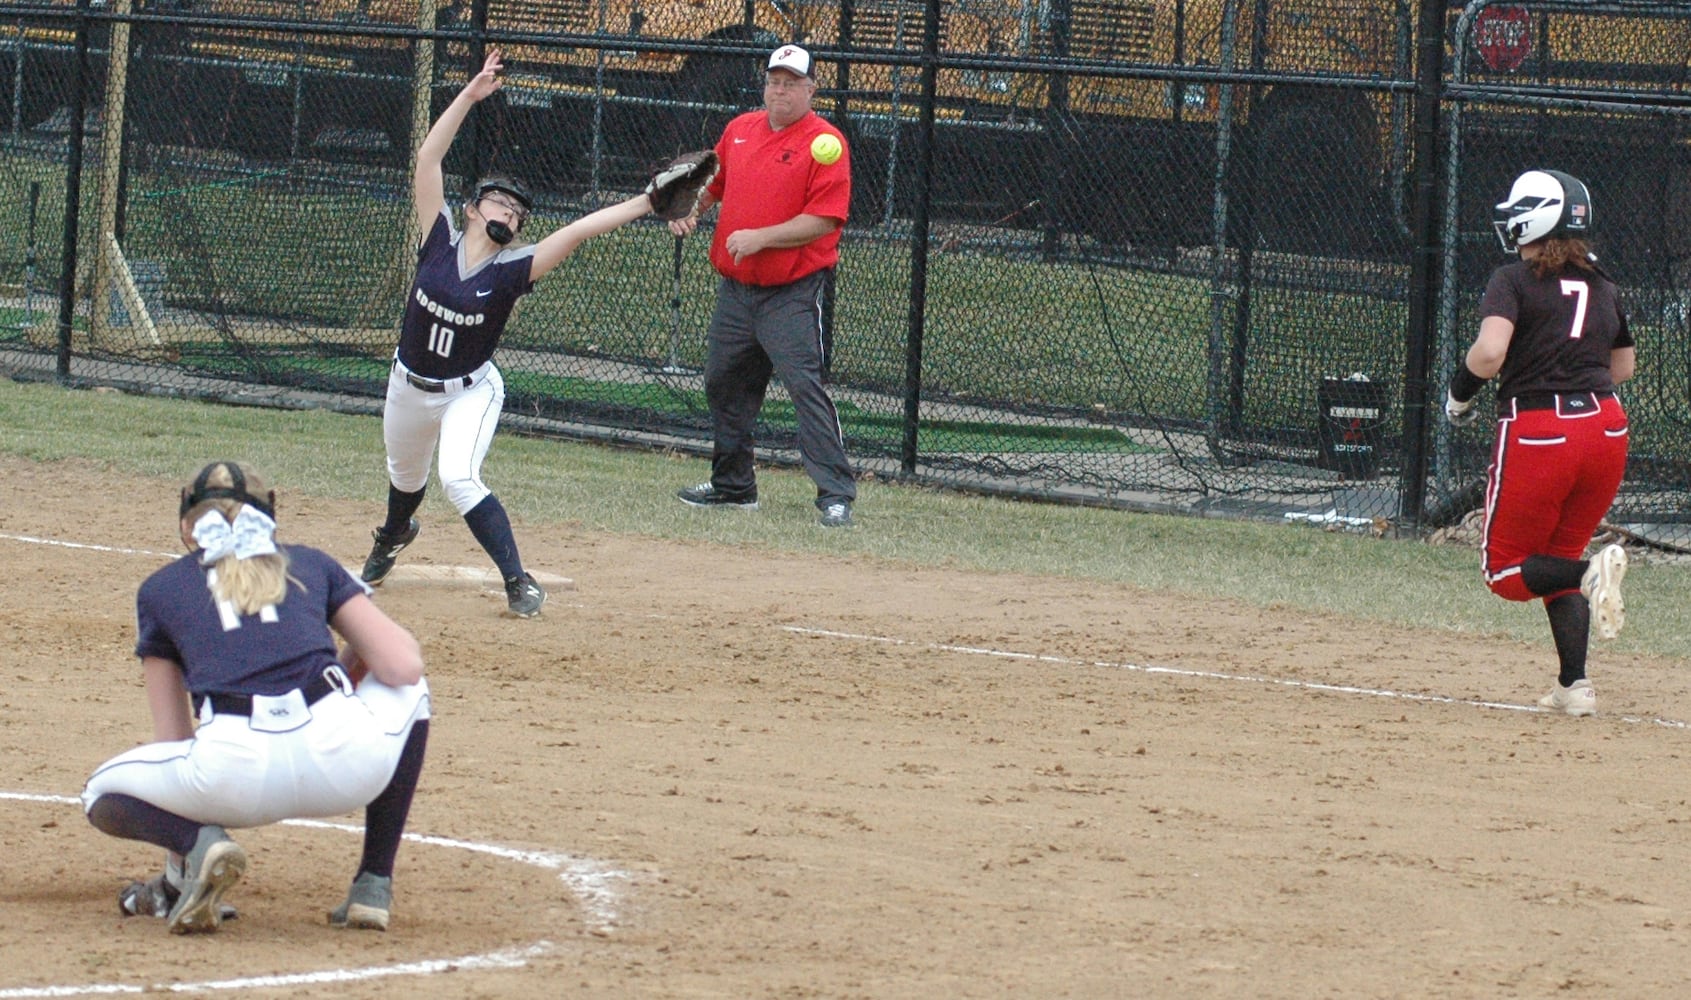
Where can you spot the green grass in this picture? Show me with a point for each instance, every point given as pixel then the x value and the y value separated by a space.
pixel 1362 581
pixel 860 425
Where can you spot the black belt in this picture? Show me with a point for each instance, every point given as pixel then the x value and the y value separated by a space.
pixel 241 704
pixel 1548 400
pixel 434 385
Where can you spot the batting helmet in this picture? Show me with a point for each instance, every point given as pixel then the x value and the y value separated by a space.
pixel 1543 204
pixel 202 490
pixel 510 185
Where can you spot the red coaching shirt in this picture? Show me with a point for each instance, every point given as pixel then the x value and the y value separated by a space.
pixel 766 178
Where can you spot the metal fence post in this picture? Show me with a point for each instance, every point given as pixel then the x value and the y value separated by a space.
pixel 1425 274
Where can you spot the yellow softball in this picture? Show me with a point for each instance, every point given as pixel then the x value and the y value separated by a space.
pixel 825 148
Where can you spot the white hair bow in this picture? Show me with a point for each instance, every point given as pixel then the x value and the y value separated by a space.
pixel 252 534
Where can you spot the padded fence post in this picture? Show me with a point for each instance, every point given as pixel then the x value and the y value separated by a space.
pixel 110 258
pixel 73 188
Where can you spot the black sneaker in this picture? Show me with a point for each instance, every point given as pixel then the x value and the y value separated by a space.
pixel 707 495
pixel 524 595
pixel 385 551
pixel 836 515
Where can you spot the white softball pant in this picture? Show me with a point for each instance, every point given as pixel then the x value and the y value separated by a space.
pixel 461 420
pixel 236 774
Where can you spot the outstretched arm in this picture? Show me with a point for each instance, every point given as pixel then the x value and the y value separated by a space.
pixel 551 251
pixel 428 184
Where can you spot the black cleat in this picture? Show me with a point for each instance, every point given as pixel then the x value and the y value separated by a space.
pixel 386 551
pixel 707 495
pixel 524 595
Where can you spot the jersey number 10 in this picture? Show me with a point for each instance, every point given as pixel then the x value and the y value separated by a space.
pixel 440 339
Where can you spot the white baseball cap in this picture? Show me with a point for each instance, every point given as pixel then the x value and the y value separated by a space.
pixel 792 59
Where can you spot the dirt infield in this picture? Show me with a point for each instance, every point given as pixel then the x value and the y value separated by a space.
pixel 845 778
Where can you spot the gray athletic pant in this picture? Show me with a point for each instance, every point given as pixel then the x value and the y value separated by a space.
pixel 755 331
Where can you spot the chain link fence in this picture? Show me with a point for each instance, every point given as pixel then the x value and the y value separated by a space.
pixel 1178 255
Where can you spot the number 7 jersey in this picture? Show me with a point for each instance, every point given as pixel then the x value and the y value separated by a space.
pixel 1565 326
pixel 456 314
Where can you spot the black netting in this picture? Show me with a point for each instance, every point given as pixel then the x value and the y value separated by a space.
pixel 1134 252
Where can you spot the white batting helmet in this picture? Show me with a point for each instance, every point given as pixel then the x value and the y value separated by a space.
pixel 1542 204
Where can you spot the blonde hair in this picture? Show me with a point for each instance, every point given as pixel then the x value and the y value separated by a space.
pixel 1560 252
pixel 248 584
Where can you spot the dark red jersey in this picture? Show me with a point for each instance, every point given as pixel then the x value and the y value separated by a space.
pixel 1565 326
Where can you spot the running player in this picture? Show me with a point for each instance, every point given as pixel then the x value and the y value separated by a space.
pixel 1552 325
pixel 287 728
pixel 444 389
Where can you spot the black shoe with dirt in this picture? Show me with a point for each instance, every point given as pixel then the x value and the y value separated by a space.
pixel 707 495
pixel 524 596
pixel 386 551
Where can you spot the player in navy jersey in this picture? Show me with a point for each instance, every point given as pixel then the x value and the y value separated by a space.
pixel 1552 326
pixel 444 388
pixel 237 634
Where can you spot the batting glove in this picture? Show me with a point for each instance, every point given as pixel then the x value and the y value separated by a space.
pixel 1459 414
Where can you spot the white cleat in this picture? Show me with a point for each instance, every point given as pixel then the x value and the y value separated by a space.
pixel 1601 585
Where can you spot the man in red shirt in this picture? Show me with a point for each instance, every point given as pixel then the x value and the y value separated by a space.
pixel 784 186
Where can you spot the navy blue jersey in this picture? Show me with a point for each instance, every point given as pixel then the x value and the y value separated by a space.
pixel 456 315
pixel 1565 326
pixel 269 653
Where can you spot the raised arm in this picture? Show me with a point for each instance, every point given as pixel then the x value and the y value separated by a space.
pixel 551 251
pixel 428 183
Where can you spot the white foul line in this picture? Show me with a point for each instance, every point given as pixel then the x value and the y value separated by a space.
pixel 31 539
pixel 1212 675
pixel 510 958
pixel 592 882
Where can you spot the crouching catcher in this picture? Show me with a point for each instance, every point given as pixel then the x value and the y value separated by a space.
pixel 236 635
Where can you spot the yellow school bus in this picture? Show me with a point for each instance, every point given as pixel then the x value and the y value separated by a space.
pixel 1302 107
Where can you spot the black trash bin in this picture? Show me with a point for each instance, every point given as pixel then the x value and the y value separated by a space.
pixel 1353 421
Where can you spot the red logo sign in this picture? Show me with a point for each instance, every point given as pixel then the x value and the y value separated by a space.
pixel 1504 37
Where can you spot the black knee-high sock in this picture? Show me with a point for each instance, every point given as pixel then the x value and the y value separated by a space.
pixel 384 818
pixel 492 528
pixel 1570 626
pixel 132 819
pixel 401 508
pixel 1552 574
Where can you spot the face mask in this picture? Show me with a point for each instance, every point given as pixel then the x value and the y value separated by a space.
pixel 499 233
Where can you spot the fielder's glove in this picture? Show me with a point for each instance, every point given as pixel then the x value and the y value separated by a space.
pixel 674 188
pixel 1460 414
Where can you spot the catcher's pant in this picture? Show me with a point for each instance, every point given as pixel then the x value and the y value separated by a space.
pixel 1554 472
pixel 236 772
pixel 460 419
pixel 755 331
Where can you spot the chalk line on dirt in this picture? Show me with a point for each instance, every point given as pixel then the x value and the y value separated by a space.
pixel 594 884
pixel 1213 675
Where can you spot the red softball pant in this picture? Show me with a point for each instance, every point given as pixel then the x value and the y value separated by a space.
pixel 1553 476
